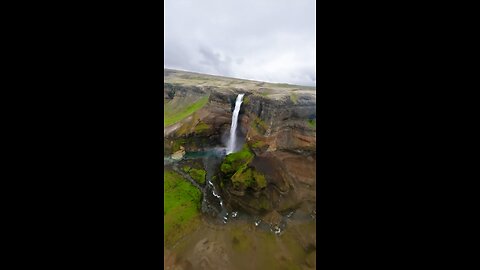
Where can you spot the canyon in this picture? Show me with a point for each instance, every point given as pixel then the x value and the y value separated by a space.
pixel 270 176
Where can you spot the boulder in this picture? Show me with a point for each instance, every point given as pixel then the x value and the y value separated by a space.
pixel 179 154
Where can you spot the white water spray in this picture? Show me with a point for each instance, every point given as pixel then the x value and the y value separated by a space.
pixel 233 128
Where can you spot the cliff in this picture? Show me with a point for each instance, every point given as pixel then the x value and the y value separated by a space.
pixel 278 122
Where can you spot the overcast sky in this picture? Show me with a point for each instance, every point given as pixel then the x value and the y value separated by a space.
pixel 266 40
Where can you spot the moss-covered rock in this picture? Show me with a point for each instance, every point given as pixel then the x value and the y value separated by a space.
pixel 198 175
pixel 263 204
pixel 226 168
pixel 236 167
pixel 186 168
pixel 258 144
pixel 247 177
pixel 201 127
pixel 260 180
pixel 234 161
pixel 259 125
pixel 246 101
pixel 177 143
pixel 243 178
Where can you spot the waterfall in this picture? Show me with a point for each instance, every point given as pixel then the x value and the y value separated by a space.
pixel 233 128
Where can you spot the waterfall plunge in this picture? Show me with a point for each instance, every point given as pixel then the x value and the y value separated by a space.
pixel 233 128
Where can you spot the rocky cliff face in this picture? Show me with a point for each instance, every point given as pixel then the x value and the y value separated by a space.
pixel 279 125
pixel 284 143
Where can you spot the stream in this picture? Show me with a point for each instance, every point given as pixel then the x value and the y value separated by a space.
pixel 212 202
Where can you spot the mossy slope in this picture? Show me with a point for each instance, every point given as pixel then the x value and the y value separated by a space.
pixel 181 208
pixel 236 167
pixel 178 109
pixel 198 175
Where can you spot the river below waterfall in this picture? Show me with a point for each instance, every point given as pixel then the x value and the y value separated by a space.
pixel 237 240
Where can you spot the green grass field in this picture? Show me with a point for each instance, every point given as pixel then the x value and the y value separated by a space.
pixel 174 112
pixel 182 206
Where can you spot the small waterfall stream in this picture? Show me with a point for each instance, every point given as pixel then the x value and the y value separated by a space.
pixel 233 129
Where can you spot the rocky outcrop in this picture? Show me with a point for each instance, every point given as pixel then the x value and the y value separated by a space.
pixel 179 154
pixel 291 184
pixel 201 129
pixel 279 124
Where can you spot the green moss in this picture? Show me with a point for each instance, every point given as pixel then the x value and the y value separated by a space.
pixel 177 143
pixel 236 167
pixel 262 203
pixel 312 123
pixel 174 115
pixel 181 206
pixel 294 98
pixel 198 175
pixel 201 127
pixel 258 144
pixel 243 177
pixel 234 161
pixel 187 126
pixel 259 123
pixel 246 100
pixel 226 168
pixel 248 177
pixel 182 130
pixel 243 154
pixel 260 180
pixel 186 168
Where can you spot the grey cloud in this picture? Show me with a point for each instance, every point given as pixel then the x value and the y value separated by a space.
pixel 221 65
pixel 270 40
